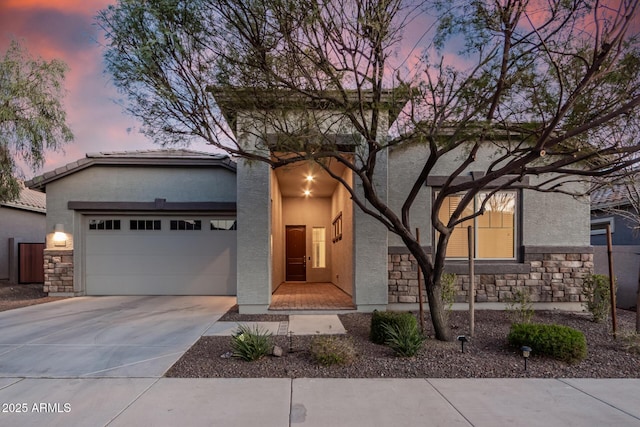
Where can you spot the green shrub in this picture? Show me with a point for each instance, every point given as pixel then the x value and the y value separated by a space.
pixel 330 350
pixel 378 334
pixel 251 343
pixel 520 308
pixel 403 337
pixel 560 342
pixel 597 295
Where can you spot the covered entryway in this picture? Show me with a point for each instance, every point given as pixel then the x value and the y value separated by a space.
pixel 312 238
pixel 159 255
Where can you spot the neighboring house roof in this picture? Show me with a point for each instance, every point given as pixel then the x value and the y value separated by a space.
pixel 170 157
pixel 29 200
pixel 609 197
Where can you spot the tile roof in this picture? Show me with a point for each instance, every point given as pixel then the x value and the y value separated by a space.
pixel 29 200
pixel 170 153
pixel 609 197
pixel 138 157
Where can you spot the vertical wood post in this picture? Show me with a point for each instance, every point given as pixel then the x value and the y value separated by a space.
pixel 612 287
pixel 472 284
pixel 420 299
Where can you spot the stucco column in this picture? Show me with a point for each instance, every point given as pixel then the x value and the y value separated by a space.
pixel 254 248
pixel 370 247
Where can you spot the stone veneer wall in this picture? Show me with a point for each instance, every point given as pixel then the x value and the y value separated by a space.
pixel 58 270
pixel 549 277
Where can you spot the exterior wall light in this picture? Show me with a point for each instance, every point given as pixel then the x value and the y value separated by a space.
pixel 59 236
pixel 526 352
pixel 463 339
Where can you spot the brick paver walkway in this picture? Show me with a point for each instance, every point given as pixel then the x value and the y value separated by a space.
pixel 310 296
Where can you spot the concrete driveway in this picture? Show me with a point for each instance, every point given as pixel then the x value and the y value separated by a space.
pixel 138 337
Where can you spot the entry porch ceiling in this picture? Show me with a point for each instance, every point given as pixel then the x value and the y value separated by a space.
pixel 293 179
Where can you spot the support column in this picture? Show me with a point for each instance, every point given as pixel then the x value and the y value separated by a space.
pixel 254 241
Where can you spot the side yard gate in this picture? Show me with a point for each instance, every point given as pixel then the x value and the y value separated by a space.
pixel 31 262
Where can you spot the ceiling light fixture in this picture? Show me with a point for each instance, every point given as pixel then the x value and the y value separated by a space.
pixel 307 193
pixel 309 177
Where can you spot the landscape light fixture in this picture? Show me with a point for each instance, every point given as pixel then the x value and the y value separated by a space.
pixel 463 339
pixel 526 352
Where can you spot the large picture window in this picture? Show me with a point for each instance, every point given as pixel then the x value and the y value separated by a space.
pixel 495 230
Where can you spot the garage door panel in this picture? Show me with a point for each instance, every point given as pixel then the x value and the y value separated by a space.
pixel 162 285
pixel 152 264
pixel 160 262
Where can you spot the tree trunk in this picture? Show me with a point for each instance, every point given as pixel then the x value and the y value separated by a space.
pixel 436 309
pixel 433 289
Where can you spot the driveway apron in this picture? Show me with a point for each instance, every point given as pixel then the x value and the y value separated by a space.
pixel 137 337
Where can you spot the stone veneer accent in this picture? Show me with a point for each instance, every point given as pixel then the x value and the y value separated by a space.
pixel 58 270
pixel 549 277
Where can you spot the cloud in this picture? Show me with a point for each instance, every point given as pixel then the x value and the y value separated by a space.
pixel 76 6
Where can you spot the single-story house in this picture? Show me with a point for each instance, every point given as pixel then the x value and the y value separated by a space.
pixel 607 207
pixel 21 221
pixel 181 222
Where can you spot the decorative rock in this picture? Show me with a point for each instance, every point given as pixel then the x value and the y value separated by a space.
pixel 277 351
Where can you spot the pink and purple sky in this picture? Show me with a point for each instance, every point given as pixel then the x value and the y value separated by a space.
pixel 65 29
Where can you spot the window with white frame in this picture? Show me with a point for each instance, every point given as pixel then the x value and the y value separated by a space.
pixel 495 229
pixel 599 225
pixel 318 248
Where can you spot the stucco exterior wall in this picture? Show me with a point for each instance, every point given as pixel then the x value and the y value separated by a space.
pixel 254 236
pixel 133 184
pixel 553 219
pixel 277 235
pixel 626 269
pixel 370 248
pixel 24 226
pixel 405 165
pixel 342 258
pixel 547 219
pixel 622 230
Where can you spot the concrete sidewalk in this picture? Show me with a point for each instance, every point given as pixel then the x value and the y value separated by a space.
pixel 318 402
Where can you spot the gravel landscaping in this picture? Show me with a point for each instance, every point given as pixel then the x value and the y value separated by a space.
pixel 16 296
pixel 487 355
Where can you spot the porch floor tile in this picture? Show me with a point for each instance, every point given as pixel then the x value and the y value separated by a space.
pixel 310 296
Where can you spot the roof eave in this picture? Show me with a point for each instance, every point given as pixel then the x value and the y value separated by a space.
pixel 40 182
pixel 232 100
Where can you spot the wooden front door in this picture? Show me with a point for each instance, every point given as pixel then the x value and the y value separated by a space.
pixel 296 253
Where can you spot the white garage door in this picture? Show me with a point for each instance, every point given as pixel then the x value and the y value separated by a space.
pixel 152 255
